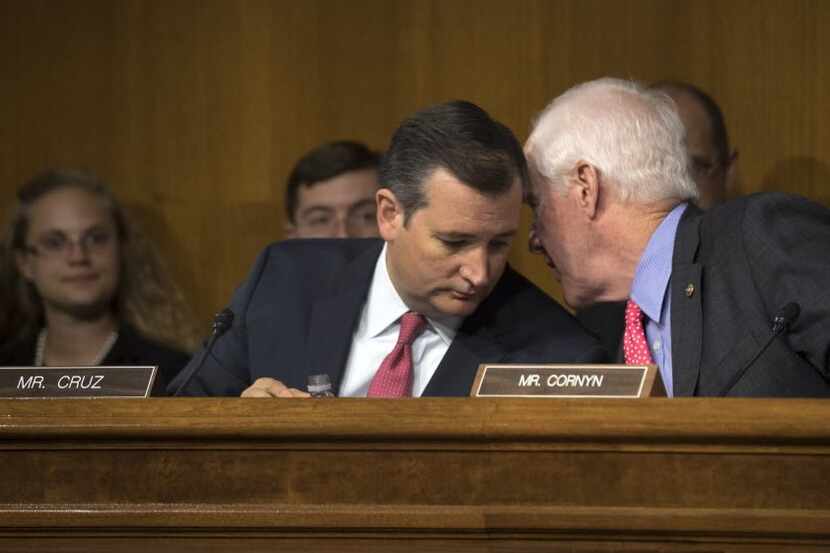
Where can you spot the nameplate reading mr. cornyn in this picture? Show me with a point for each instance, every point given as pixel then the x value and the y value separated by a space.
pixel 566 381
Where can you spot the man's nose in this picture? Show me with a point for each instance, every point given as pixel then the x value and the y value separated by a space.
pixel 341 227
pixel 476 267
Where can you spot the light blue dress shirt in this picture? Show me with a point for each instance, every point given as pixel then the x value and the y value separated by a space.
pixel 649 291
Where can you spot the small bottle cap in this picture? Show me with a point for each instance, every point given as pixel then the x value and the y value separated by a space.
pixel 319 383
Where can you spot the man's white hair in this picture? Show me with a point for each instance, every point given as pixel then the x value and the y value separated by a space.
pixel 632 135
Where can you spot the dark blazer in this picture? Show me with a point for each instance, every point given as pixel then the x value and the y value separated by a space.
pixel 606 320
pixel 131 348
pixel 296 313
pixel 735 266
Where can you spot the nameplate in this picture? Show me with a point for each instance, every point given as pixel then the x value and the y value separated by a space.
pixel 76 382
pixel 567 381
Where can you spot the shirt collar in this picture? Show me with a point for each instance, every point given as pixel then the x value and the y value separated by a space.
pixel 651 279
pixel 384 306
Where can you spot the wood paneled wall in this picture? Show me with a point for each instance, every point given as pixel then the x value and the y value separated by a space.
pixel 195 110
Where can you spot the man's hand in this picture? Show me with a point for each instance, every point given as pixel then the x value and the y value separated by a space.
pixel 269 387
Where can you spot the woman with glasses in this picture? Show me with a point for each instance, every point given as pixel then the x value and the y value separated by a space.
pixel 79 286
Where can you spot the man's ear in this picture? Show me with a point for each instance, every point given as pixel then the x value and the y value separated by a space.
pixel 731 179
pixel 390 214
pixel 587 181
pixel 289 229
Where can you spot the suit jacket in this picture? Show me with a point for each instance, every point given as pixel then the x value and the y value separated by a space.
pixel 606 320
pixel 296 314
pixel 131 348
pixel 734 267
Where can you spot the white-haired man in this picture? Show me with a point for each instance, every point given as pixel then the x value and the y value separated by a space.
pixel 611 194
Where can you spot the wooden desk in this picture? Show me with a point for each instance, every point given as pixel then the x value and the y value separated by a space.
pixel 160 475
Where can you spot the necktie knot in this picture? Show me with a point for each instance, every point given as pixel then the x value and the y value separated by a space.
pixel 394 377
pixel 412 324
pixel 633 313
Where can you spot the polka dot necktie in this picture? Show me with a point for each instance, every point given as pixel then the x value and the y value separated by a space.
pixel 635 345
pixel 394 377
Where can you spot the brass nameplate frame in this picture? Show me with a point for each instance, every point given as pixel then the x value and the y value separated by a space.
pixel 567 381
pixel 77 382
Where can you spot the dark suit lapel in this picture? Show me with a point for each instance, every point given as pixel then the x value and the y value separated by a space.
pixel 456 372
pixel 476 342
pixel 334 317
pixel 686 305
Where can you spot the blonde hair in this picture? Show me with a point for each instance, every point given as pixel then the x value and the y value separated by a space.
pixel 146 296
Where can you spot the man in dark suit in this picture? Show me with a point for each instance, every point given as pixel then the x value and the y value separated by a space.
pixel 414 313
pixel 713 167
pixel 730 302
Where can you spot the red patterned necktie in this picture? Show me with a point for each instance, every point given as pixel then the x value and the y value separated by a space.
pixel 394 377
pixel 635 345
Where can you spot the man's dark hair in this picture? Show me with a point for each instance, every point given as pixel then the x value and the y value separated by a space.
pixel 326 162
pixel 720 139
pixel 459 137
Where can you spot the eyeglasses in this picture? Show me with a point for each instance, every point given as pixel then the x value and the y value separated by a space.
pixel 57 243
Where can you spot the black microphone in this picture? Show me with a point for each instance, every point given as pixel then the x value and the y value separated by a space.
pixel 221 323
pixel 781 322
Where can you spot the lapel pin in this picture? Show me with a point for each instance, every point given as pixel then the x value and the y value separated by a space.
pixel 690 290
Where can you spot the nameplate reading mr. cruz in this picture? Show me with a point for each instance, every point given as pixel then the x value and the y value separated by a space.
pixel 76 382
pixel 567 381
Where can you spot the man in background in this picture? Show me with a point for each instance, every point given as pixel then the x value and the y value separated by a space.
pixel 731 301
pixel 712 162
pixel 712 165
pixel 331 192
pixel 417 312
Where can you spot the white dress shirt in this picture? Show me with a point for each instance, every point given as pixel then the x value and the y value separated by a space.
pixel 377 333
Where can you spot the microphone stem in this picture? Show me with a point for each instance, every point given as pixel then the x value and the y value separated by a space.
pixel 777 330
pixel 198 366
